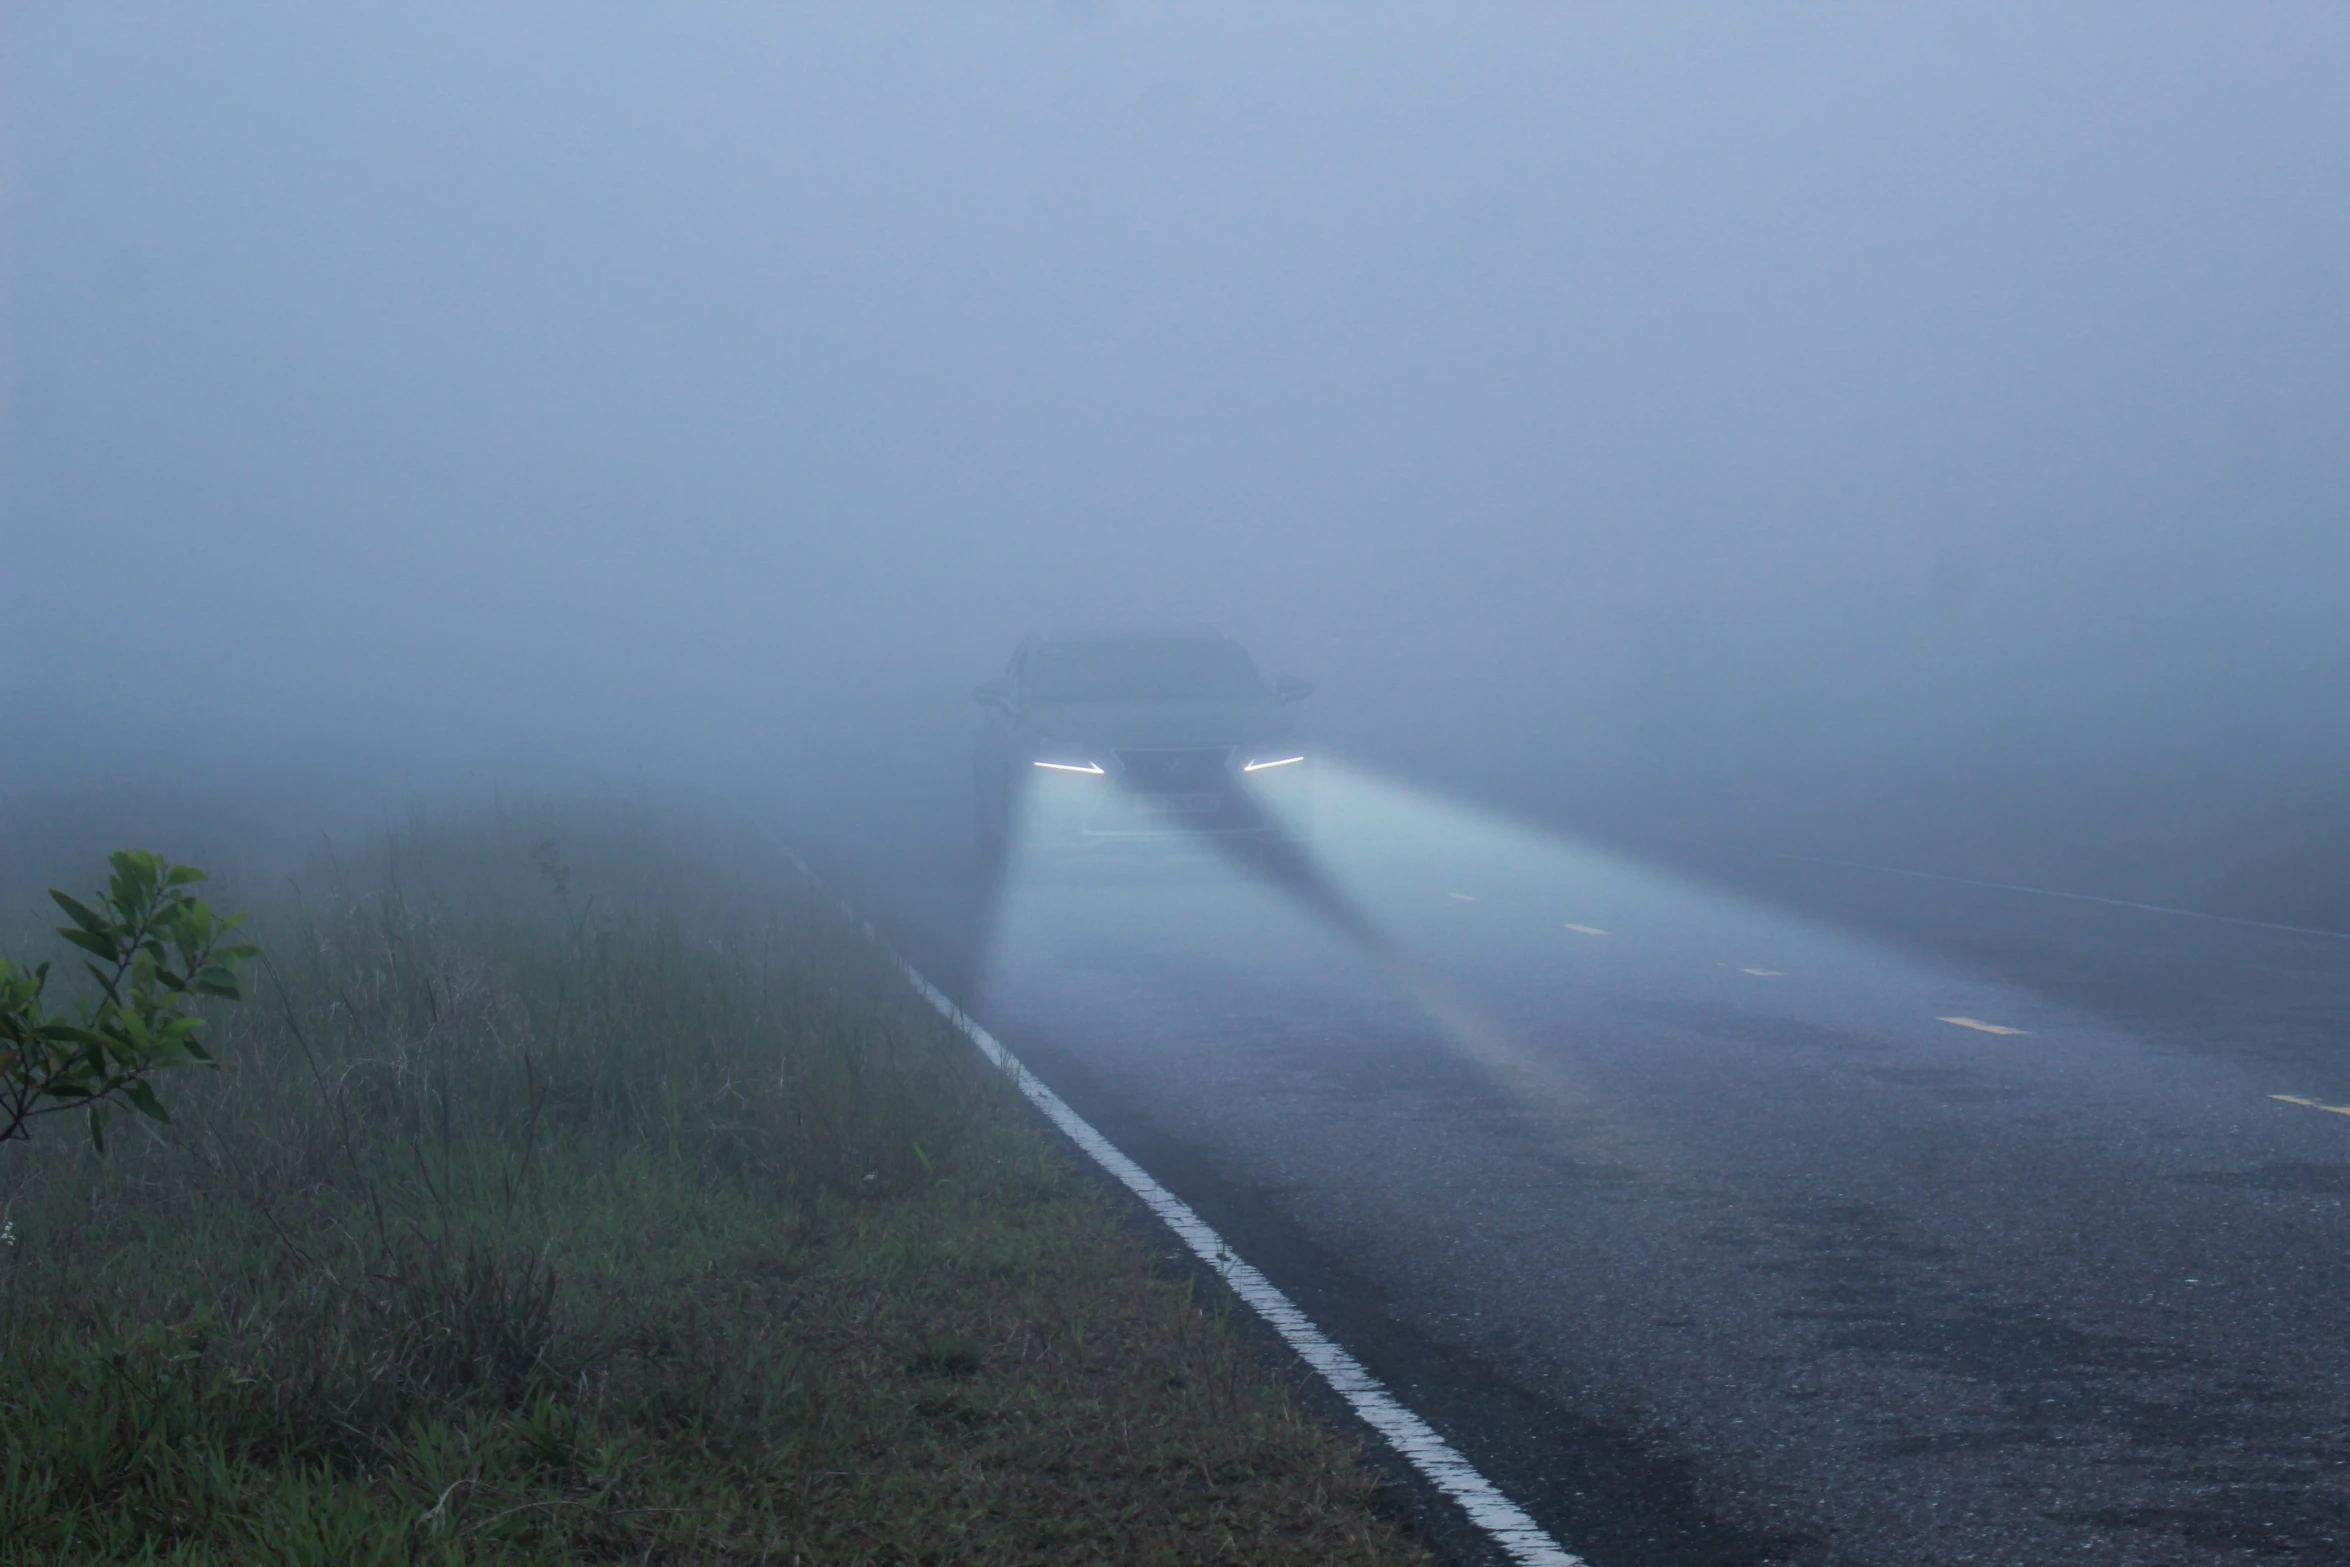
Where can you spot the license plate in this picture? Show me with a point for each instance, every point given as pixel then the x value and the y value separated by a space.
pixel 1178 804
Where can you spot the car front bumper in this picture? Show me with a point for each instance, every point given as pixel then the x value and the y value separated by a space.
pixel 1081 810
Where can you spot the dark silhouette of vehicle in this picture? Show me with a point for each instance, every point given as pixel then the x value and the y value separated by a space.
pixel 1094 740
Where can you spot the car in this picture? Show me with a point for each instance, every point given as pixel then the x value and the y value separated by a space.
pixel 1095 740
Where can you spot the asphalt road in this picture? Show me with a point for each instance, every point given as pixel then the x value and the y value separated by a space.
pixel 1776 1214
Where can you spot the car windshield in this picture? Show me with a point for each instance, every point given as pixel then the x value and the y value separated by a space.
pixel 1142 669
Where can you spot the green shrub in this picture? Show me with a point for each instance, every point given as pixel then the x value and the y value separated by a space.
pixel 158 949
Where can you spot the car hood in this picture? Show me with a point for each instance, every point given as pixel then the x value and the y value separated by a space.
pixel 1144 724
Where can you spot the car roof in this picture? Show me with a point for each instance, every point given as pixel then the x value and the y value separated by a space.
pixel 1192 633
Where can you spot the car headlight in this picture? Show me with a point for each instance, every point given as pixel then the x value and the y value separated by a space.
pixel 1276 759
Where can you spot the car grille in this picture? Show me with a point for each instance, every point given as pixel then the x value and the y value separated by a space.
pixel 1177 772
pixel 1176 791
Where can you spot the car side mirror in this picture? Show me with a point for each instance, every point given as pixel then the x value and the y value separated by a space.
pixel 993 693
pixel 1291 689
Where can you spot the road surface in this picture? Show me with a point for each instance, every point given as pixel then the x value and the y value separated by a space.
pixel 1841 1219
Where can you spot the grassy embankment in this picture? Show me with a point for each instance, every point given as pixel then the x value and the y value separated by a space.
pixel 578 1188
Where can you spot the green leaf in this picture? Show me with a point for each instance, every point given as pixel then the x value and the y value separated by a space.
pixel 81 914
pixel 142 1098
pixel 102 944
pixel 218 980
pixel 181 875
pixel 98 1127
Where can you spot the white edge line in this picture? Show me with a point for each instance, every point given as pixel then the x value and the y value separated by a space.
pixel 1519 1536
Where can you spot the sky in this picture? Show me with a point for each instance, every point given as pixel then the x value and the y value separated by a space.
pixel 1717 407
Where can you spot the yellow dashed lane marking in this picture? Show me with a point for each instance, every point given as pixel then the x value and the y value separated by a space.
pixel 1587 930
pixel 2296 1099
pixel 1765 973
pixel 1978 1023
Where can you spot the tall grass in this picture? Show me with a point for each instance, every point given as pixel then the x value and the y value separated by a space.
pixel 346 1242
pixel 576 1186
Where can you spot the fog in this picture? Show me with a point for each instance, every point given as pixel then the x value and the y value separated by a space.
pixel 1912 432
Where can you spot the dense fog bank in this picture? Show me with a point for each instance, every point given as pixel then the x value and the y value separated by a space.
pixel 1905 433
